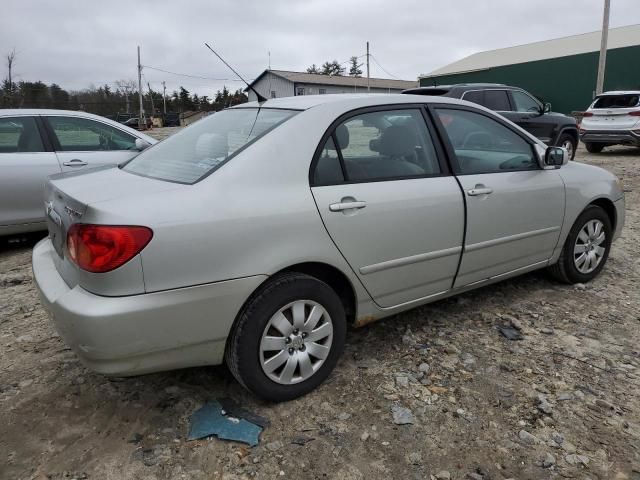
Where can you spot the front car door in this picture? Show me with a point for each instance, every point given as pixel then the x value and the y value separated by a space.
pixel 26 160
pixel 528 114
pixel 389 204
pixel 83 142
pixel 514 208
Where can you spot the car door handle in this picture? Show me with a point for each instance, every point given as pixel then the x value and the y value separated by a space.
pixel 349 205
pixel 76 162
pixel 479 190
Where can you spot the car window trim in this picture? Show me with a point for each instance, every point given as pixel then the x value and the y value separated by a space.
pixel 330 132
pixel 56 141
pixel 451 154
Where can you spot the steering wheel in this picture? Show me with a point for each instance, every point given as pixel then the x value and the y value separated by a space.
pixel 478 140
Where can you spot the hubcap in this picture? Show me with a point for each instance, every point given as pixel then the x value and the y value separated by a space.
pixel 296 342
pixel 589 250
pixel 569 147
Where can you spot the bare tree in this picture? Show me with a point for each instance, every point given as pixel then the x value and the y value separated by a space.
pixel 11 58
pixel 126 87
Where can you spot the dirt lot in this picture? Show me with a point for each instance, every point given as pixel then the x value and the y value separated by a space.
pixel 562 403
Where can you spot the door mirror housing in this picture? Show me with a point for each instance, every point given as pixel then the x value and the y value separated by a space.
pixel 141 144
pixel 546 108
pixel 555 157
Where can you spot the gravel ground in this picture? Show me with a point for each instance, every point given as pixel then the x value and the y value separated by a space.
pixel 562 403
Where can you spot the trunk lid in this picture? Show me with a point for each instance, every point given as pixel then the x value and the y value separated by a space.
pixel 612 112
pixel 71 198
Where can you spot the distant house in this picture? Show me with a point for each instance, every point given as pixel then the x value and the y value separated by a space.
pixel 282 83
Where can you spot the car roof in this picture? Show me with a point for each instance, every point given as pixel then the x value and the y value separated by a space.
pixel 17 112
pixel 350 100
pixel 620 92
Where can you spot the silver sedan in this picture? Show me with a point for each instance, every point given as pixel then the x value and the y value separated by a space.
pixel 36 143
pixel 257 235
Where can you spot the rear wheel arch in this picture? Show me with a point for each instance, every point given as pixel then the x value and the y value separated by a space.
pixel 333 277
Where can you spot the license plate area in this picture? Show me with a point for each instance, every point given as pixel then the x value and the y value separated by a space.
pixel 56 230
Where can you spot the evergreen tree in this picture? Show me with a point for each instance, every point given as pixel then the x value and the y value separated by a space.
pixel 354 69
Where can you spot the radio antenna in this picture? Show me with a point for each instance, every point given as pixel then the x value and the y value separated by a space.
pixel 260 97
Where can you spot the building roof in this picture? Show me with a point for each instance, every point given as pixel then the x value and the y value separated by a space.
pixel 619 37
pixel 338 80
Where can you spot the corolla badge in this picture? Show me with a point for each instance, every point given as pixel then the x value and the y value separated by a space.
pixel 71 212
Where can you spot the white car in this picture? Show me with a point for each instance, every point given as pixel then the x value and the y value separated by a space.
pixel 612 119
pixel 37 143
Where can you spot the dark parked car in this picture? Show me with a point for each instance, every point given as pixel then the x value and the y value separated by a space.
pixel 517 105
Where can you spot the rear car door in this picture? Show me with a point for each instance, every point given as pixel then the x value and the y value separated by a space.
pixel 25 163
pixel 514 208
pixel 389 204
pixel 81 142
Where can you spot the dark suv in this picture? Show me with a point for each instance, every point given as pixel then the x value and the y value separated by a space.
pixel 517 105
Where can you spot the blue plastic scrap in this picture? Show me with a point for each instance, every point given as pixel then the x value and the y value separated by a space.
pixel 210 420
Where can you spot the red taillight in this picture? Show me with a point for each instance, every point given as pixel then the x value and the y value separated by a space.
pixel 102 248
pixel 587 114
pixel 635 114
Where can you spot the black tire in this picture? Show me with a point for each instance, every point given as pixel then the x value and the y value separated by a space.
pixel 242 352
pixel 566 137
pixel 565 269
pixel 594 147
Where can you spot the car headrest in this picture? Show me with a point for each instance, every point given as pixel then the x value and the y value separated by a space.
pixel 397 141
pixel 212 145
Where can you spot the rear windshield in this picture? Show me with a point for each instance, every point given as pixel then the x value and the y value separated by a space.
pixel 617 101
pixel 200 149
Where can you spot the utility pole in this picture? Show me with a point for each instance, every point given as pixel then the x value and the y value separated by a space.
pixel 153 108
pixel 368 84
pixel 164 97
pixel 141 121
pixel 603 48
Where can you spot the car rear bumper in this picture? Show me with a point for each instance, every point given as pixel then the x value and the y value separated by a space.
pixel 626 137
pixel 138 334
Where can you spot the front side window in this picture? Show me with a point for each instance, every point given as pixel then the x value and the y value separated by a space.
pixel 384 146
pixel 524 102
pixel 198 150
pixel 483 145
pixel 83 135
pixel 19 135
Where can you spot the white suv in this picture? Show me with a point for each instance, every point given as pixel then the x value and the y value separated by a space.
pixel 612 119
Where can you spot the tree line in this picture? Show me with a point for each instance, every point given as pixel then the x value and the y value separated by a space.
pixel 108 100
pixel 336 68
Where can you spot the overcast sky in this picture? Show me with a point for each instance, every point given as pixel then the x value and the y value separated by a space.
pixel 76 43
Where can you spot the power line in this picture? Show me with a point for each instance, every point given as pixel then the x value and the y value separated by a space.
pixel 382 68
pixel 194 76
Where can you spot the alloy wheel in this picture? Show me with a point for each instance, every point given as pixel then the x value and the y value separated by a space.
pixel 568 146
pixel 296 341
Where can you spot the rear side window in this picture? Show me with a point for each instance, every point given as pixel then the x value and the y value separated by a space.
pixel 483 145
pixel 383 145
pixel 200 149
pixel 19 135
pixel 497 100
pixel 83 135
pixel 617 101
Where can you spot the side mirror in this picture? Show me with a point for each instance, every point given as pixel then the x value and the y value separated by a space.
pixel 141 144
pixel 555 157
pixel 546 108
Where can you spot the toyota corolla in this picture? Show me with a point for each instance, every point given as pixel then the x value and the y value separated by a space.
pixel 257 235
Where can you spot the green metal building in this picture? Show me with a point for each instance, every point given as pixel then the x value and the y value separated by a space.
pixel 562 71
